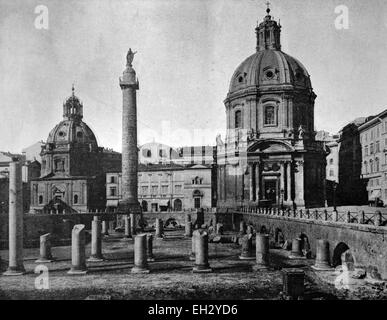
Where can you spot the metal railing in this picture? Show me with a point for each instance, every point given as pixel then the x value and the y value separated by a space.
pixel 370 218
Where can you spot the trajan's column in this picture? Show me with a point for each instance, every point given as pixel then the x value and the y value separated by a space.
pixel 129 84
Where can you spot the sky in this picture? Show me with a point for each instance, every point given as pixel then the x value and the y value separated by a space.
pixel 187 51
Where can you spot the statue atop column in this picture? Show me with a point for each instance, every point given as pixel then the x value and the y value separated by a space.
pixel 130 57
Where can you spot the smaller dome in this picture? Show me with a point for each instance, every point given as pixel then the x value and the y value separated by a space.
pixel 69 131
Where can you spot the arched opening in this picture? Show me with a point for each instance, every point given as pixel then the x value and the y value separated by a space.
pixel 263 230
pixel 144 206
pixel 339 250
pixel 75 199
pixel 177 205
pixel 171 223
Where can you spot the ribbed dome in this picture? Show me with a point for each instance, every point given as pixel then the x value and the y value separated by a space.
pixel 270 67
pixel 71 131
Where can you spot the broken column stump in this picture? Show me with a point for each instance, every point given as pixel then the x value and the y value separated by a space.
pixel 322 256
pixel 262 254
pixel 201 252
pixel 45 249
pixel 140 254
pixel 247 247
pixel 96 241
pixel 78 257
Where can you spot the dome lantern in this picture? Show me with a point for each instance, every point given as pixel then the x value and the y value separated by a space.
pixel 268 33
pixel 73 108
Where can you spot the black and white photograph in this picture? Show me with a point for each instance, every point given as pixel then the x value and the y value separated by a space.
pixel 211 152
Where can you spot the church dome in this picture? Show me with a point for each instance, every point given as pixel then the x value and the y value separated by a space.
pixel 72 130
pixel 269 66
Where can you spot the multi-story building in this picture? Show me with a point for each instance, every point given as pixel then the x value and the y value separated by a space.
pixel 166 187
pixel 373 139
pixel 170 182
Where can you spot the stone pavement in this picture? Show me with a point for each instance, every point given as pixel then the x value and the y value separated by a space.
pixel 170 276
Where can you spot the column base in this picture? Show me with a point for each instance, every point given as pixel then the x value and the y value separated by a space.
pixel 246 258
pixel 15 271
pixel 126 239
pixel 42 260
pixel 201 270
pixel 322 267
pixel 296 256
pixel 139 270
pixel 259 267
pixel 95 259
pixel 76 272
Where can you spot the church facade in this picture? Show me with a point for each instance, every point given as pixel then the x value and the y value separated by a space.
pixel 73 167
pixel 270 156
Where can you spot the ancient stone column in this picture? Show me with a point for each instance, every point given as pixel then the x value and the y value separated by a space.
pixel 129 85
pixel 45 249
pixel 140 254
pixel 96 241
pixel 188 229
pixel 247 247
pixel 149 247
pixel 261 252
pixel 15 264
pixel 201 252
pixel 128 227
pixel 192 254
pixel 78 257
pixel 105 228
pixel 322 256
pixel 132 224
pixel 296 252
pixel 159 228
pixel 242 228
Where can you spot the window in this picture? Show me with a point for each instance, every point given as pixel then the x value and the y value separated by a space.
pixel 365 167
pixel 40 199
pixel 366 150
pixel 144 189
pixel 178 188
pixel 164 189
pixel 330 161
pixel 376 164
pixel 377 182
pixel 162 153
pixel 377 147
pixel 112 179
pixel 59 165
pixel 238 119
pixel 377 132
pixel 113 191
pixel 331 173
pixel 155 189
pixel 75 198
pixel 269 115
pixel 372 135
pixel 197 203
pixel 197 180
pixel 146 153
pixel 371 166
pixel 371 148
